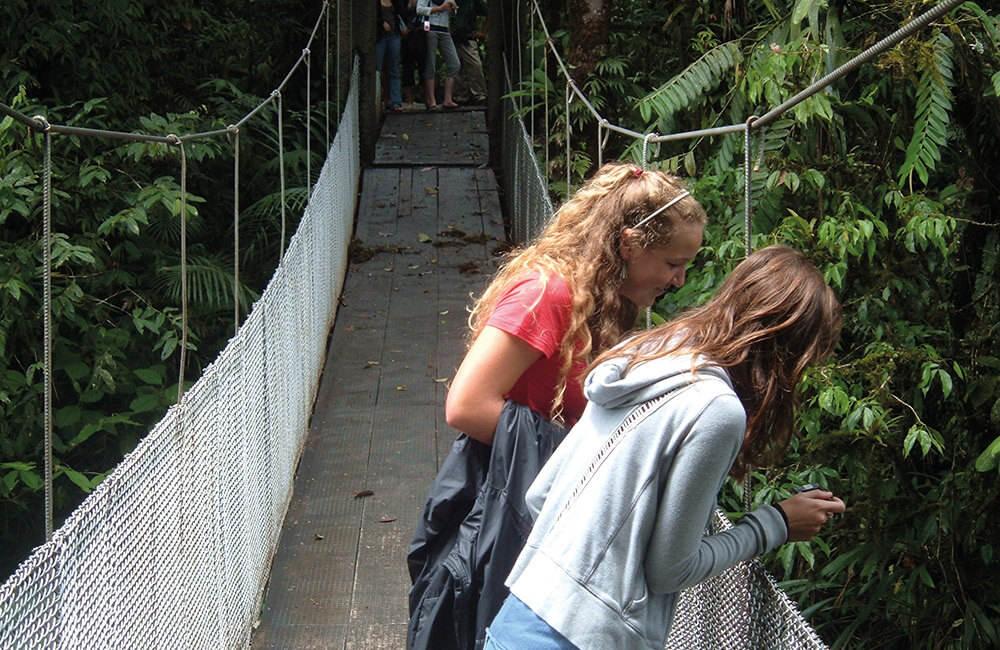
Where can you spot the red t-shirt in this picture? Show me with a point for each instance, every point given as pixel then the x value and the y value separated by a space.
pixel 538 313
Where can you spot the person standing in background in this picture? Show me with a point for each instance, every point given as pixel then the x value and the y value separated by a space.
pixel 437 15
pixel 413 51
pixel 470 86
pixel 387 44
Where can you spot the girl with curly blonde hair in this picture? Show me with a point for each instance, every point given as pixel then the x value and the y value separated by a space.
pixel 625 238
pixel 622 240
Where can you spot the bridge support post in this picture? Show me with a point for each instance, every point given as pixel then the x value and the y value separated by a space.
pixel 369 109
pixel 497 10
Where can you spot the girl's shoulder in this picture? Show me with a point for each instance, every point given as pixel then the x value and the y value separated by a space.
pixel 534 300
pixel 538 283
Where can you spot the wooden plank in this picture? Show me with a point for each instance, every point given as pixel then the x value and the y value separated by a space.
pixel 377 206
pixel 433 138
pixel 405 192
pixel 339 578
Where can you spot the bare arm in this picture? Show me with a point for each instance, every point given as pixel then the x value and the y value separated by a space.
pixel 490 369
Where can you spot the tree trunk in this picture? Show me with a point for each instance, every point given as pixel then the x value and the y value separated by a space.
pixel 589 28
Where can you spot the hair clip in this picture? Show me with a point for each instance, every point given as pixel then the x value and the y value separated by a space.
pixel 638 172
pixel 663 207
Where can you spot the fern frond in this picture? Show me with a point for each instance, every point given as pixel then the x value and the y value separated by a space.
pixel 210 284
pixel 725 155
pixel 687 88
pixel 933 112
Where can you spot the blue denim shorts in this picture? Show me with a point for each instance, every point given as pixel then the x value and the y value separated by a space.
pixel 516 627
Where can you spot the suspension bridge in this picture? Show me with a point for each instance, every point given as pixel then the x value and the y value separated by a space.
pixel 273 504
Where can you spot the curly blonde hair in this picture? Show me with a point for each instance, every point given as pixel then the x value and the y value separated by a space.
pixel 581 245
pixel 772 318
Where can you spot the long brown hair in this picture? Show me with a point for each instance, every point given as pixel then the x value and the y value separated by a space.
pixel 772 318
pixel 581 246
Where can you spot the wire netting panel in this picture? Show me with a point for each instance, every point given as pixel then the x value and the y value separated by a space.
pixel 526 192
pixel 742 607
pixel 173 549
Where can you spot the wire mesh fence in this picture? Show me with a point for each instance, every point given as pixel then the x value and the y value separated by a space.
pixel 525 190
pixel 173 549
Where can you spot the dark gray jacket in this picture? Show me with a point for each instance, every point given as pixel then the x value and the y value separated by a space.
pixel 473 526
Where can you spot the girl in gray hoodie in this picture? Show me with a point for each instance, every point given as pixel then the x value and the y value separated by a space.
pixel 621 507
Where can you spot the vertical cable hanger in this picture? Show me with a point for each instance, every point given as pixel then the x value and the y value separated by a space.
pixel 602 141
pixel 305 54
pixel 645 166
pixel 337 94
pixel 47 320
pixel 569 132
pixel 236 231
pixel 545 94
pixel 326 83
pixel 184 288
pixel 531 73
pixel 747 234
pixel 748 175
pixel 281 173
pixel 520 54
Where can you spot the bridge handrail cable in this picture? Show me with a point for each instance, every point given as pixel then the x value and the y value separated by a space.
pixel 173 548
pixel 757 121
pixel 128 567
pixel 40 123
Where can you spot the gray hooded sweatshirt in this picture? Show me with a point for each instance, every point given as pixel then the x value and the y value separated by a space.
pixel 621 507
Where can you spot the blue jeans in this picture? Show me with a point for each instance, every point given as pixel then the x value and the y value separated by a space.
pixel 516 627
pixel 387 51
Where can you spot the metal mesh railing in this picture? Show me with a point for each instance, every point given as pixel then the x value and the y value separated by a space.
pixel 757 612
pixel 525 190
pixel 173 549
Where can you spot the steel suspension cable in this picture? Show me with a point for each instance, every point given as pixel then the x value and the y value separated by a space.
pixel 47 328
pixel 569 132
pixel 308 118
pixel 892 39
pixel 236 232
pixel 326 77
pixel 752 122
pixel 887 42
pixel 184 294
pixel 531 80
pixel 40 124
pixel 747 176
pixel 281 175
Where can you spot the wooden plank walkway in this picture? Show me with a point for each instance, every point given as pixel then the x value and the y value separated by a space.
pixel 428 224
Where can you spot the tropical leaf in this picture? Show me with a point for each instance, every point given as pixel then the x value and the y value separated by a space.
pixel 210 284
pixel 688 87
pixel 933 112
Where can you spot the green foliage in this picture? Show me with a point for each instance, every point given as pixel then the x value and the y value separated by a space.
pixel 688 88
pixel 116 221
pixel 933 110
pixel 886 179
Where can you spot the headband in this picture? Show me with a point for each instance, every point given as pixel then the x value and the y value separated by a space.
pixel 664 207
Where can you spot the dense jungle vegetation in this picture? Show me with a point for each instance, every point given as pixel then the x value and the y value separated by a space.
pixel 888 180
pixel 180 67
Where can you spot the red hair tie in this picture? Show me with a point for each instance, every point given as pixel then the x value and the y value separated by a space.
pixel 638 172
